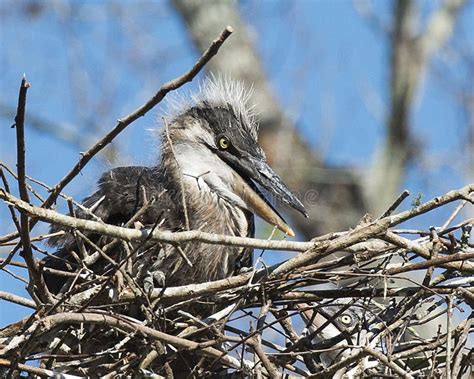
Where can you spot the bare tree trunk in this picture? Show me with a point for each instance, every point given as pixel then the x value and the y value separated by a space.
pixel 410 57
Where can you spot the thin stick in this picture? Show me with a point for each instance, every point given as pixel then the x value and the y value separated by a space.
pixel 396 203
pixel 128 234
pixel 180 173
pixel 20 136
pixel 31 369
pixel 33 268
pixel 17 299
pixel 454 214
pixel 449 326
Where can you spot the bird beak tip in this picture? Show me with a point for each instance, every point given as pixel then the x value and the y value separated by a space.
pixel 290 232
pixel 296 204
pixel 302 210
pixel 283 227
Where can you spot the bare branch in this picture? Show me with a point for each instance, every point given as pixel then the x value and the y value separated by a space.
pixel 37 285
pixel 17 299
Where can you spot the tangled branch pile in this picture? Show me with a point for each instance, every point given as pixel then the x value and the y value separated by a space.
pixel 359 312
pixel 373 301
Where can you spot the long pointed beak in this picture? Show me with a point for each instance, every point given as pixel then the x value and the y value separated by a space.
pixel 260 173
pixel 259 205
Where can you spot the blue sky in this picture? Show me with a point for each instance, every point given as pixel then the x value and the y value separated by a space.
pixel 323 60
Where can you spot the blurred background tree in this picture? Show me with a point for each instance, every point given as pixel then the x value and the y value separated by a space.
pixel 357 100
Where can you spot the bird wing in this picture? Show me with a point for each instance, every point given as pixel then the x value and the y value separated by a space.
pixel 122 192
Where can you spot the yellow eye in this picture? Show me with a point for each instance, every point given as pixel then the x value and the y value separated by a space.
pixel 346 319
pixel 223 143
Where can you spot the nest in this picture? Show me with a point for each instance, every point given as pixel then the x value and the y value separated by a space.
pixel 373 301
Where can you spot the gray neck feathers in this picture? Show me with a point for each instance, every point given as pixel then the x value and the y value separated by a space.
pixel 211 205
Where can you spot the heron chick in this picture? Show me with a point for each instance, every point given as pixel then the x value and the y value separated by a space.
pixel 208 178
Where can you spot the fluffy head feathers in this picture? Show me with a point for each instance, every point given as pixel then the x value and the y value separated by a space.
pixel 219 92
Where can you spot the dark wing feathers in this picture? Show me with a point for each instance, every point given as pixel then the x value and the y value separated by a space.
pixel 121 193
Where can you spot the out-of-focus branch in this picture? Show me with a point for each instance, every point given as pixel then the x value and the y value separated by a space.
pixel 411 55
pixel 75 136
pixel 439 28
pixel 339 200
pixel 57 131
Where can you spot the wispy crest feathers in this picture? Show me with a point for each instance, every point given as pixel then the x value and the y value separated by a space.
pixel 219 92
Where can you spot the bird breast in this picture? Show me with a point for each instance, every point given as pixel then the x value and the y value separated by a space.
pixel 207 182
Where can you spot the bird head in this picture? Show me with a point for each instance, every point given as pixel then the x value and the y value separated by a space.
pixel 213 136
pixel 335 323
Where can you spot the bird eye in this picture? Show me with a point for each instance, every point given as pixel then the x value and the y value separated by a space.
pixel 346 319
pixel 223 143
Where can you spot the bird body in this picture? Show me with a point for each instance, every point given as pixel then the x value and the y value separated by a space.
pixel 206 179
